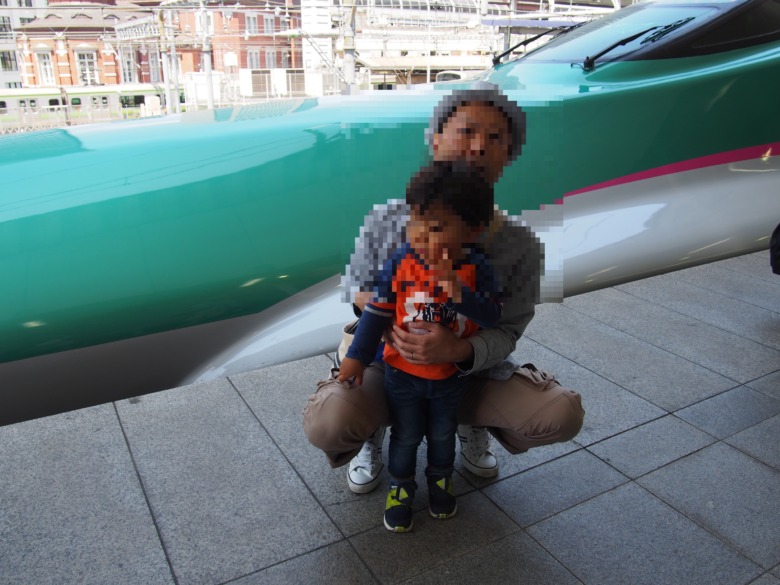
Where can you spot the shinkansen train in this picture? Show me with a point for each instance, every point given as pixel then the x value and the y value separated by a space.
pixel 142 255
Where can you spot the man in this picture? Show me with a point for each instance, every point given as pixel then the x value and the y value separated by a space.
pixel 520 406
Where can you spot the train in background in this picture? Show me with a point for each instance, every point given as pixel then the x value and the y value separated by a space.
pixel 141 255
pixel 46 107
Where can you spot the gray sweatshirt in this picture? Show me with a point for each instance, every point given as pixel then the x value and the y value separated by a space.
pixel 517 258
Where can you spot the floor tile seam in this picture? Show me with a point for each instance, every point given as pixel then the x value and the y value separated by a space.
pixel 495 480
pixel 462 555
pixel 283 454
pixel 145 493
pixel 604 376
pixel 553 555
pixel 743 452
pixel 695 318
pixel 626 481
pixel 723 438
pixel 682 278
pixel 768 278
pixel 294 469
pixel 764 392
pixel 700 524
pixel 767 573
pixel 666 350
pixel 677 312
pixel 290 559
pixel 581 365
pixel 668 463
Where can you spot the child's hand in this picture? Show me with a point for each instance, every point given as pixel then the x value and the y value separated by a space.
pixel 351 368
pixel 453 289
pixel 446 276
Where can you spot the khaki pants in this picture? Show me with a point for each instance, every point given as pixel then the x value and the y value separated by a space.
pixel 528 410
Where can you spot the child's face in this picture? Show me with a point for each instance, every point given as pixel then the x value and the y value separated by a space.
pixel 439 234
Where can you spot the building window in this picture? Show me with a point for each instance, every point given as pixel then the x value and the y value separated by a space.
pixel 251 24
pixel 253 58
pixel 87 66
pixel 268 24
pixel 154 67
pixel 3 2
pixel 285 64
pixel 25 20
pixel 13 84
pixel 204 19
pixel 8 61
pixel 6 32
pixel 26 3
pixel 129 74
pixel 45 69
pixel 270 58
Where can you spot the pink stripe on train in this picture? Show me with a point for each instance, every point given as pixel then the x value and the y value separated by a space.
pixel 721 158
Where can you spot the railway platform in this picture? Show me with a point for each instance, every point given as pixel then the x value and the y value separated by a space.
pixel 674 479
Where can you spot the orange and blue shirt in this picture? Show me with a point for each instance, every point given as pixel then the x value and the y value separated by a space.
pixel 407 290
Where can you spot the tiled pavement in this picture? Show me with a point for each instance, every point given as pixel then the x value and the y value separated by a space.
pixel 675 477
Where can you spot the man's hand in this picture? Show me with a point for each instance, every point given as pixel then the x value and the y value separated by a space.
pixel 351 368
pixel 434 344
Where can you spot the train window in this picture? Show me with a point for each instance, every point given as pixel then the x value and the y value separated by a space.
pixel 33 103
pixel 94 100
pixel 759 24
pixel 22 103
pixel 54 102
pixel 624 25
pixel 104 100
pixel 75 101
pixel 3 107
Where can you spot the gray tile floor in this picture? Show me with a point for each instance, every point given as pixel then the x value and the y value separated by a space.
pixel 675 477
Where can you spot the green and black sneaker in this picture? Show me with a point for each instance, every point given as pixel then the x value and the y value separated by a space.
pixel 398 509
pixel 442 499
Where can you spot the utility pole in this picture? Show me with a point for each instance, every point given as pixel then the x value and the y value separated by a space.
pixel 349 47
pixel 206 55
pixel 175 68
pixel 165 63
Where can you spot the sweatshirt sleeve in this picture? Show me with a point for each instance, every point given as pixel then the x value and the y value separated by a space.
pixel 380 237
pixel 516 255
pixel 482 304
pixel 373 322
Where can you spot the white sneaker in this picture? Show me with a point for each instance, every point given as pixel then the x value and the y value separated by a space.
pixel 365 467
pixel 475 451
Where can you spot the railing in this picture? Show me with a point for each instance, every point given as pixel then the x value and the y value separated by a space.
pixel 16 120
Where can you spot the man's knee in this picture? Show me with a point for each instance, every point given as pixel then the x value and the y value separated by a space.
pixel 528 410
pixel 337 419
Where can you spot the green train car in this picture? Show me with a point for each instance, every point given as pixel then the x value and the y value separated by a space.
pixel 140 255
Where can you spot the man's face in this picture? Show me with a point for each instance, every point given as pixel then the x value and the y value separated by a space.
pixel 476 133
pixel 439 234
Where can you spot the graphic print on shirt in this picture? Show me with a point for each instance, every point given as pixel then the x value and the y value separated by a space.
pixel 420 306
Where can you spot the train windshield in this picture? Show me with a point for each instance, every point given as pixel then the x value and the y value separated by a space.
pixel 634 26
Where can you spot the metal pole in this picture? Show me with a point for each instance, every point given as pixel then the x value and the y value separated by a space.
pixel 349 48
pixel 175 69
pixel 206 56
pixel 165 64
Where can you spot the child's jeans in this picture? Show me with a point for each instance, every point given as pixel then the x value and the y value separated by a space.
pixel 422 408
